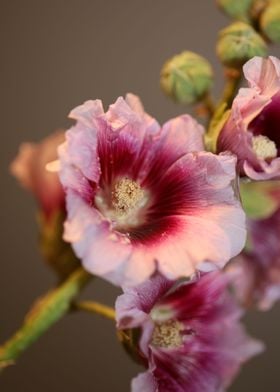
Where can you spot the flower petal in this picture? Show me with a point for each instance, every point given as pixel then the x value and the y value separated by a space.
pixel 144 382
pixel 263 74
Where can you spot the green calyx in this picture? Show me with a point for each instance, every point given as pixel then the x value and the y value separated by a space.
pixel 186 78
pixel 236 9
pixel 270 22
pixel 238 43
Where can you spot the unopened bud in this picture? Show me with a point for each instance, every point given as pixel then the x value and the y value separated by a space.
pixel 237 9
pixel 270 21
pixel 238 43
pixel 186 77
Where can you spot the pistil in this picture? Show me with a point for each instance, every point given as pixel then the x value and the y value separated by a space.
pixel 264 147
pixel 126 196
pixel 168 334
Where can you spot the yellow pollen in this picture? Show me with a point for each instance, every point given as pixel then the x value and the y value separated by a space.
pixel 264 147
pixel 168 334
pixel 126 196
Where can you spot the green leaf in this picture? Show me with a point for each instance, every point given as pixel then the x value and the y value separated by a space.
pixel 258 200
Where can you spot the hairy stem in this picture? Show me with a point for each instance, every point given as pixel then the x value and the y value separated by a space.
pixel 45 312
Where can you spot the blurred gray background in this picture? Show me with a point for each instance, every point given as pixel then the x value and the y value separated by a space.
pixel 55 55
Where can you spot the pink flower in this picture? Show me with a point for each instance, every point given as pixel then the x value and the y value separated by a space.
pixel 30 169
pixel 191 336
pixel 252 130
pixel 139 198
pixel 257 272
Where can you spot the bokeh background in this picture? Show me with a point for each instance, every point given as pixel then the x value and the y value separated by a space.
pixel 55 55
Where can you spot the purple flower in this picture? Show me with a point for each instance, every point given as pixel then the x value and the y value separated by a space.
pixel 30 169
pixel 257 271
pixel 140 198
pixel 191 336
pixel 252 130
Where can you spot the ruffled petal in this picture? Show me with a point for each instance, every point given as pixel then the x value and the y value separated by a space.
pixel 88 112
pixel 134 306
pixel 144 382
pixel 263 75
pixel 102 251
pixel 269 170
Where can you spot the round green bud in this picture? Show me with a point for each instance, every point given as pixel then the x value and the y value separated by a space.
pixel 237 9
pixel 238 43
pixel 186 77
pixel 270 22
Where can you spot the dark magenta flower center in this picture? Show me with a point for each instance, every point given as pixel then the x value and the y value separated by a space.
pixel 146 206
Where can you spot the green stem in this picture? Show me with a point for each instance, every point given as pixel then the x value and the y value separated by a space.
pixel 96 307
pixel 233 78
pixel 45 312
pixel 221 113
pixel 209 104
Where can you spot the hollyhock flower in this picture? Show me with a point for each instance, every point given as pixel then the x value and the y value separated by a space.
pixel 30 169
pixel 251 132
pixel 257 271
pixel 191 336
pixel 139 199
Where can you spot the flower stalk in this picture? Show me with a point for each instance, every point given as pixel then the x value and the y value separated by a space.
pixel 45 312
pixel 96 307
pixel 222 111
pixel 233 78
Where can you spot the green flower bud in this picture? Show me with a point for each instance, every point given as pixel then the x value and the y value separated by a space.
pixel 270 22
pixel 186 77
pixel 238 43
pixel 238 9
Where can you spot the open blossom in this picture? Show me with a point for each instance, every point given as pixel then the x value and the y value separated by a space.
pixel 191 336
pixel 30 169
pixel 252 130
pixel 139 199
pixel 257 271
